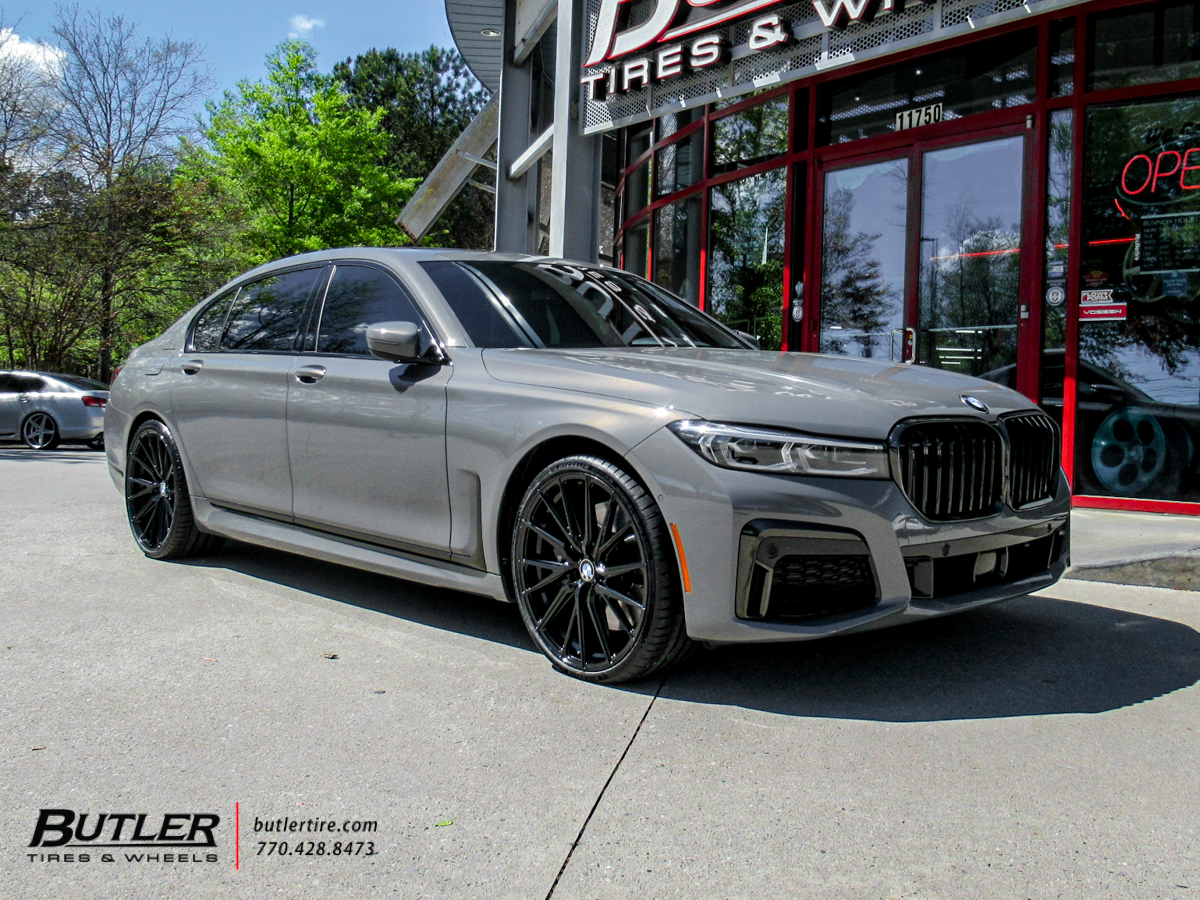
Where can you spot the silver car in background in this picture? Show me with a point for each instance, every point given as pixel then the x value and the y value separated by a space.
pixel 634 475
pixel 44 408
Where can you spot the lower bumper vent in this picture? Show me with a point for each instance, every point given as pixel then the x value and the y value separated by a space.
pixel 792 575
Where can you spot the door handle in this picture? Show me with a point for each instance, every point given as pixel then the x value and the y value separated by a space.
pixel 192 366
pixel 310 374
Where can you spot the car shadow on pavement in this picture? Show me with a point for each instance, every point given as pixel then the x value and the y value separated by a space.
pixel 467 614
pixel 63 454
pixel 1026 657
pixel 1032 656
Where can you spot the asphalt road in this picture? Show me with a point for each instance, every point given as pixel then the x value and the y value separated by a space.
pixel 1045 748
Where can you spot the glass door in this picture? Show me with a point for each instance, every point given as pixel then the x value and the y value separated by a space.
pixel 921 257
pixel 862 260
pixel 970 256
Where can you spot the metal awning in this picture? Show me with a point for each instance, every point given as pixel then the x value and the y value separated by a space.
pixel 472 23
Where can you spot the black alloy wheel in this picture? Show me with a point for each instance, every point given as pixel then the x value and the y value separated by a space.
pixel 157 501
pixel 39 431
pixel 594 573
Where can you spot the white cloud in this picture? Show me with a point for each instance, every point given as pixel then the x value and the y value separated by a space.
pixel 303 26
pixel 47 60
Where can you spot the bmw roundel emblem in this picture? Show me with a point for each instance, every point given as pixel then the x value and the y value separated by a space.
pixel 974 403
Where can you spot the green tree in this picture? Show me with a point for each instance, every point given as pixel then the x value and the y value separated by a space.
pixel 302 166
pixel 426 100
pixel 91 225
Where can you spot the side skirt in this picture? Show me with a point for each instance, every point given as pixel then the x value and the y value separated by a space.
pixel 345 551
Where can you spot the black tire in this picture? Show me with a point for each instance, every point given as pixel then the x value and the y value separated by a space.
pixel 157 502
pixel 594 574
pixel 39 431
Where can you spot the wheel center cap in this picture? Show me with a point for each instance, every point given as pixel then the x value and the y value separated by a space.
pixel 162 489
pixel 587 571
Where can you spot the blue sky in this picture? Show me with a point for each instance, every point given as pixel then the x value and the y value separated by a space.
pixel 238 36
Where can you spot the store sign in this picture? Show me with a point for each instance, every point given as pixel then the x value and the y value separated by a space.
pixel 642 58
pixel 1163 175
pixel 672 27
pixel 1113 312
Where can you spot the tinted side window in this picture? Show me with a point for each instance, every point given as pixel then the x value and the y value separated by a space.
pixel 206 335
pixel 30 383
pixel 266 314
pixel 358 297
pixel 484 323
pixel 8 384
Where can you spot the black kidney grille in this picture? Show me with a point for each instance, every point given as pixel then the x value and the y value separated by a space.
pixel 952 470
pixel 1033 449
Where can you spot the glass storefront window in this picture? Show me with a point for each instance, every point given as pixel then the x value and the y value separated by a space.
pixel 1062 59
pixel 637 250
pixel 637 189
pixel 995 75
pixel 1054 271
pixel 746 245
pixel 679 165
pixel 751 136
pixel 677 243
pixel 1145 47
pixel 1137 420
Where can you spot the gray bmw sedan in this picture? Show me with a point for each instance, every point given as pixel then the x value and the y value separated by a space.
pixel 634 475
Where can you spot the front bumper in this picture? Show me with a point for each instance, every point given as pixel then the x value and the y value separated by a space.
pixel 783 558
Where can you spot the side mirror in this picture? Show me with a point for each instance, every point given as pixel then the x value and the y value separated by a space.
pixel 751 339
pixel 399 342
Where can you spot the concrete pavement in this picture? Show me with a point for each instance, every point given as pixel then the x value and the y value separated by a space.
pixel 1047 747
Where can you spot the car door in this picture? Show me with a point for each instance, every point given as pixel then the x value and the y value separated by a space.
pixel 367 437
pixel 229 391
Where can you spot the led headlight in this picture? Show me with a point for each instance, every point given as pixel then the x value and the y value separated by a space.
pixel 782 452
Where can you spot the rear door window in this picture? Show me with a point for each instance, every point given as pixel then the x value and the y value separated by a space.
pixel 267 314
pixel 359 297
pixel 206 334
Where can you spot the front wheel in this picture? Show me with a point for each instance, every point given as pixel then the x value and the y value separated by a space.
pixel 157 500
pixel 40 431
pixel 594 574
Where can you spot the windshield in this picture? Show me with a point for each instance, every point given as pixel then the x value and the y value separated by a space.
pixel 562 305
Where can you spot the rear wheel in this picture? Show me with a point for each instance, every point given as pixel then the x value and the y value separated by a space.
pixel 594 574
pixel 40 432
pixel 157 500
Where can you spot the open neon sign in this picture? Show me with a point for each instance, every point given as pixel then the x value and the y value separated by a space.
pixel 1159 177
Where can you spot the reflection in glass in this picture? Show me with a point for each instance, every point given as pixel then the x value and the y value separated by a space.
pixel 745 273
pixel 1145 47
pixel 1138 390
pixel 266 314
pixel 359 297
pixel 637 250
pixel 862 260
pixel 1054 273
pixel 677 243
pixel 998 74
pixel 751 136
pixel 970 256
pixel 680 165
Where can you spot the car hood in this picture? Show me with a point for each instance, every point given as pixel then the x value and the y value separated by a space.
pixel 830 395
